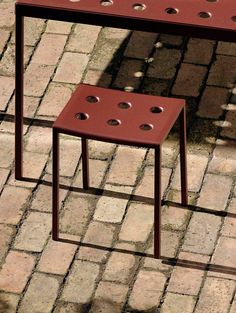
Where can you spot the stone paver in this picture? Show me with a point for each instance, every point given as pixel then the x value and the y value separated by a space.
pixel 215 192
pixel 49 49
pixel 202 233
pixel 54 100
pixel 196 168
pixel 224 156
pixel 4 35
pixel 127 176
pixel 199 51
pixel 6 90
pixel 100 234
pixel 192 76
pixel 225 252
pixel 186 281
pixel 6 233
pixel 3 177
pixel 8 302
pixel 119 267
pixel 33 232
pixel 216 294
pixel 109 297
pixel 146 186
pixel 232 206
pixel 39 140
pixel 58 27
pixel 97 170
pixel 136 48
pixel 111 209
pixel 164 64
pixel 81 282
pixel 226 48
pixel 147 290
pixel 56 257
pixel 85 34
pixel 213 101
pixel 7 14
pixel 42 200
pixel 138 223
pixel 71 68
pixel 129 75
pixel 174 218
pixel 176 303
pixel 69 156
pixel 75 215
pixel 13 201
pixel 16 271
pixel 6 152
pixel 222 71
pixel 37 77
pixel 229 130
pixel 40 295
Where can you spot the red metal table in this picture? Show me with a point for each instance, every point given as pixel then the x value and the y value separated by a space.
pixel 208 19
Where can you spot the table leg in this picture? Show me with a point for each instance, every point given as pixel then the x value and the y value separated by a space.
pixel 19 92
pixel 157 203
pixel 183 158
pixel 55 185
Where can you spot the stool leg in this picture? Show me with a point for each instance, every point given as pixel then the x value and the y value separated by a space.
pixel 85 163
pixel 157 203
pixel 55 186
pixel 183 158
pixel 19 81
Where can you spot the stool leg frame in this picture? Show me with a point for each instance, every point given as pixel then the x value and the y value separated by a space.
pixel 19 83
pixel 157 203
pixel 183 158
pixel 85 163
pixel 55 186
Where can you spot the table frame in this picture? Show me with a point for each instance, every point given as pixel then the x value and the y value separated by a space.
pixel 26 10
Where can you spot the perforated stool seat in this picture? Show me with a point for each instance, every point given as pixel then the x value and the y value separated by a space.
pixel 123 118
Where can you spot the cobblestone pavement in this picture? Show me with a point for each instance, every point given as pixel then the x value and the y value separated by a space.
pixel 197 272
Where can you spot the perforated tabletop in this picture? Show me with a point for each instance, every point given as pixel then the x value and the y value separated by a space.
pixel 118 116
pixel 212 14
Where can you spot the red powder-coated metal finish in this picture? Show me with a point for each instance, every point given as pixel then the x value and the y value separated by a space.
pixel 120 117
pixel 204 14
pixel 110 108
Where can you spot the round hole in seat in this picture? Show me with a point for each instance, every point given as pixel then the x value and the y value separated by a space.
pixel 124 105
pixel 113 122
pixel 156 110
pixel 81 116
pixel 106 3
pixel 204 14
pixel 146 127
pixel 172 11
pixel 233 18
pixel 92 99
pixel 139 6
pixel 211 0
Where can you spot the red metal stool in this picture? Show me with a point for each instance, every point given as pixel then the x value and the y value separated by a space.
pixel 122 118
